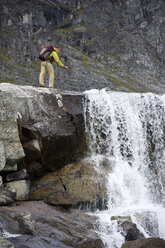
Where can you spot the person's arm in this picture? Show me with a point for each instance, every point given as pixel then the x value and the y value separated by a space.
pixel 56 58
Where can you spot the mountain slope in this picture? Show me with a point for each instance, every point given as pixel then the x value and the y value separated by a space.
pixel 117 44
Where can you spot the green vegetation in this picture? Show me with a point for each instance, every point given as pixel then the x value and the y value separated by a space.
pixel 82 10
pixel 13 72
pixel 35 65
pixel 112 74
pixel 68 31
pixel 8 80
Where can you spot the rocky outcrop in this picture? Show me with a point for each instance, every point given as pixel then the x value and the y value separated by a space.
pixel 50 133
pixel 147 243
pixel 51 125
pixel 42 131
pixel 36 224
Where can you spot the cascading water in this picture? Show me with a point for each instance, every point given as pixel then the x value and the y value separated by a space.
pixel 128 131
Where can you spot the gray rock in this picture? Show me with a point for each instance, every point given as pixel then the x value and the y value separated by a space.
pixel 2 156
pixel 127 228
pixel 1 181
pixel 4 243
pixel 37 242
pixel 21 188
pixel 19 175
pixel 6 197
pixel 147 243
pixel 41 225
pixel 130 231
pixel 35 170
pixel 47 132
pixel 9 135
pixel 14 152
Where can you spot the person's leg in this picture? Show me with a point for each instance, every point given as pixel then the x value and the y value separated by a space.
pixel 42 74
pixel 51 74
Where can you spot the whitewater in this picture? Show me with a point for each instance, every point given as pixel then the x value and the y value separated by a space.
pixel 127 130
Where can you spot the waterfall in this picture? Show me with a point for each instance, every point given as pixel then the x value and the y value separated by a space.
pixel 128 131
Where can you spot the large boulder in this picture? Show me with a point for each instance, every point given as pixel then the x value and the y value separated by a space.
pixel 145 243
pixel 36 224
pixel 51 124
pixel 75 184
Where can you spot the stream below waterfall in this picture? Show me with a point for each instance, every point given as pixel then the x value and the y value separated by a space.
pixel 127 132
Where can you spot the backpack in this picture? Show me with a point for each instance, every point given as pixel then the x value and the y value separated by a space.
pixel 45 53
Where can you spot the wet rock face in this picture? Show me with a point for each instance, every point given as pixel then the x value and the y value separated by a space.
pixel 147 243
pixel 116 44
pixel 36 224
pixel 129 229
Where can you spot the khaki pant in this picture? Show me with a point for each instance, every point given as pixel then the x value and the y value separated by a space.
pixel 46 65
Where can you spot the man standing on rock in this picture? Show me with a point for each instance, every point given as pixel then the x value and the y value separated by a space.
pixel 48 55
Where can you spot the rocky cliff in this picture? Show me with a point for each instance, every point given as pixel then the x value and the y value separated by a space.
pixel 42 140
pixel 117 44
pixel 38 132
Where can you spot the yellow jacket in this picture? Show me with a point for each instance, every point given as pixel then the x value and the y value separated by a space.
pixel 54 55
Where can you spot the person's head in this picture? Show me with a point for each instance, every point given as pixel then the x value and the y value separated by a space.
pixel 58 49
